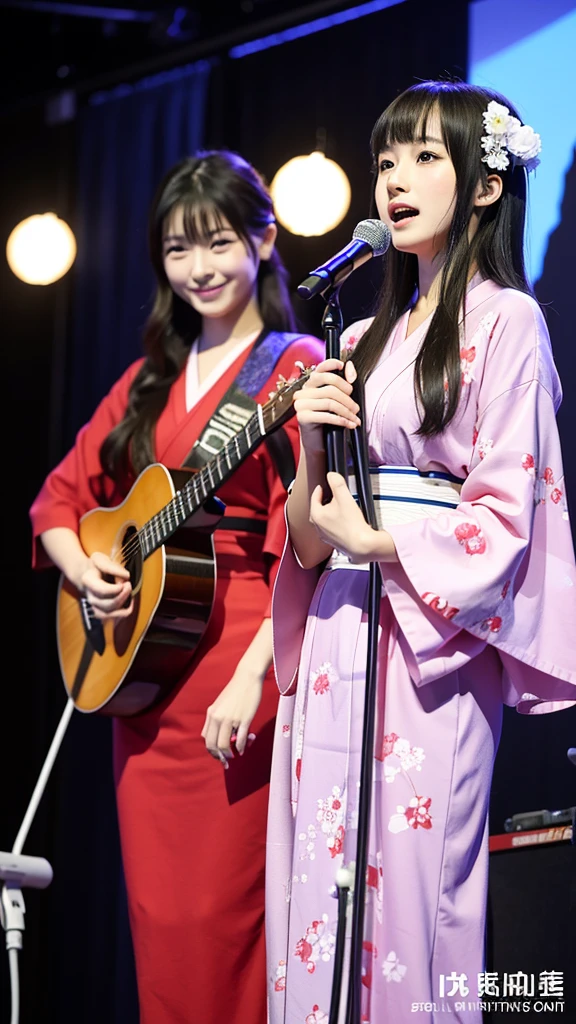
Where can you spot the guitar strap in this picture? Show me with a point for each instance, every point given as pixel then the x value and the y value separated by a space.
pixel 238 404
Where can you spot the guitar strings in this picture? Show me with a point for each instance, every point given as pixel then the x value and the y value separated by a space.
pixel 129 549
pixel 196 484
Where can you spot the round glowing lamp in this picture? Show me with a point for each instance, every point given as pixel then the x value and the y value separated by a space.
pixel 41 249
pixel 311 194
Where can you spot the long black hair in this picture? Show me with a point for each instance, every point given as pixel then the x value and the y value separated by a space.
pixel 496 250
pixel 209 187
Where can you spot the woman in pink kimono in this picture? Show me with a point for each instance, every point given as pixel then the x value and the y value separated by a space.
pixel 477 562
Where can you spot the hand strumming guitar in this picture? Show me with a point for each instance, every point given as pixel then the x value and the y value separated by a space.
pixel 103 582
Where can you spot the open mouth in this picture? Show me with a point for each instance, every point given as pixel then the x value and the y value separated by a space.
pixel 403 213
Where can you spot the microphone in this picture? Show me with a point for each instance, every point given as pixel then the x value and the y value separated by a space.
pixel 370 238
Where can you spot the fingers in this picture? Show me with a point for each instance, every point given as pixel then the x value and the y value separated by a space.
pixel 242 737
pixel 209 734
pixel 107 566
pixel 217 735
pixel 350 371
pixel 224 738
pixel 326 366
pixel 336 482
pixel 107 599
pixel 321 378
pixel 316 504
pixel 224 735
pixel 340 493
pixel 103 611
pixel 327 405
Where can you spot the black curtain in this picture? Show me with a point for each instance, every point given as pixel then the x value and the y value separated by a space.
pixel 127 139
pixel 68 345
pixel 337 81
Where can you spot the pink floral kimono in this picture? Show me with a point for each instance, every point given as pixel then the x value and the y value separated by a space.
pixel 479 611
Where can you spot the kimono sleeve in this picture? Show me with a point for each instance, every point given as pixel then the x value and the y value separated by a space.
pixel 75 485
pixel 499 569
pixel 308 351
pixel 294 586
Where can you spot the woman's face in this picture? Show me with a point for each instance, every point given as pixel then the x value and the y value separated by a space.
pixel 416 193
pixel 217 276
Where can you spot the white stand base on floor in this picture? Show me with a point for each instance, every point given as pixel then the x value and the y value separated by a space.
pixel 18 871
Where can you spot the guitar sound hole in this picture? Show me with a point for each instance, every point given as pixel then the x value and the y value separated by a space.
pixel 133 557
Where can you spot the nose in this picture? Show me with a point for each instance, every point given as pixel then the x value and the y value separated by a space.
pixel 398 182
pixel 200 270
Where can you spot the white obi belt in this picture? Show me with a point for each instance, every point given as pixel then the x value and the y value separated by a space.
pixel 403 494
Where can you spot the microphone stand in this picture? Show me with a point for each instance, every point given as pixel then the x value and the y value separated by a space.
pixel 332 324
pixel 354 877
pixel 335 445
pixel 17 871
pixel 366 502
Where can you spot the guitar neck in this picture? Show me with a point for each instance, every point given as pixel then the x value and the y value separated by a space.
pixel 202 485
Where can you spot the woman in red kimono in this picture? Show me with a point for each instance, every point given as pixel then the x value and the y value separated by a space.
pixel 192 833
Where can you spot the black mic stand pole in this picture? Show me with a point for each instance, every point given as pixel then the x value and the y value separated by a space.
pixel 335 445
pixel 332 324
pixel 366 502
pixel 336 462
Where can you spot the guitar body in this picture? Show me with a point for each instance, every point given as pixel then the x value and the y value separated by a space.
pixel 126 667
pixel 163 534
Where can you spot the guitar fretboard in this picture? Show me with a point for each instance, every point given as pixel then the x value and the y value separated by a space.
pixel 201 486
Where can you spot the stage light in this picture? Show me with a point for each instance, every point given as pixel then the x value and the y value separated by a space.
pixel 311 194
pixel 41 249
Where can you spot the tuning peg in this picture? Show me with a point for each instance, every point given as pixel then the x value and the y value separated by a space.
pixel 300 366
pixel 271 394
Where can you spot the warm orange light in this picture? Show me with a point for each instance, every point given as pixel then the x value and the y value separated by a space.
pixel 311 194
pixel 41 249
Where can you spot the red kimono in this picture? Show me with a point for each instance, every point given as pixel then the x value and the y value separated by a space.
pixel 192 834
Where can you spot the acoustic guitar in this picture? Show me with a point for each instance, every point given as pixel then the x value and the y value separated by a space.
pixel 126 667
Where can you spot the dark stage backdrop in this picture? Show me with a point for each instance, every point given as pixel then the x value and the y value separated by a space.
pixel 76 965
pixel 127 139
pixel 66 345
pixel 337 81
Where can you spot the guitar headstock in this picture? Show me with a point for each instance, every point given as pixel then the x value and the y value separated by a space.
pixel 279 406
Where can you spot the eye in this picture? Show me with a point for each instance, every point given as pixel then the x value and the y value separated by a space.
pixel 427 158
pixel 174 248
pixel 385 165
pixel 220 243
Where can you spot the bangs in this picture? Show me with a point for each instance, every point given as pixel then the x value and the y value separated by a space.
pixel 202 218
pixel 406 119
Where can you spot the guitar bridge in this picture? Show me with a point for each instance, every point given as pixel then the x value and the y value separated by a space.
pixel 93 628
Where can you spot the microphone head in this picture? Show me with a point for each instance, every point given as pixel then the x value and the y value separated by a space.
pixel 375 233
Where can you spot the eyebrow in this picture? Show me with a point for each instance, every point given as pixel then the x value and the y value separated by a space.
pixel 416 142
pixel 183 238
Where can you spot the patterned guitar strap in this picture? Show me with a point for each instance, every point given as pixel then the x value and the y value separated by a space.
pixel 238 404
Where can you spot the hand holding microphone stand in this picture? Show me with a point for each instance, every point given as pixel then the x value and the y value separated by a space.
pixel 371 238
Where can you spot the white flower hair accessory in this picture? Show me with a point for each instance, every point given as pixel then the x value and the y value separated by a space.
pixel 506 135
